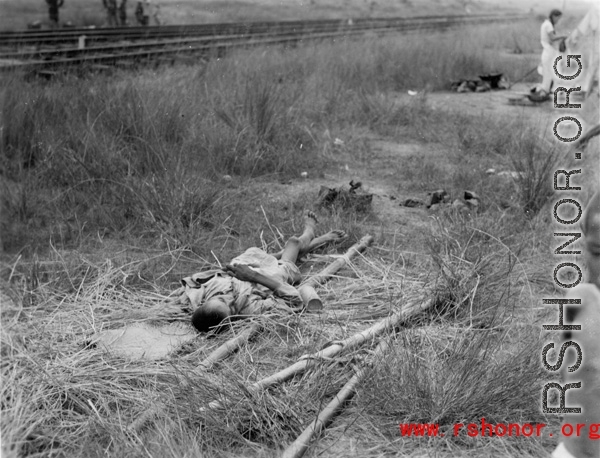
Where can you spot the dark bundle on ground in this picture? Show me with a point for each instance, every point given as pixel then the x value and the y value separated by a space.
pixel 345 199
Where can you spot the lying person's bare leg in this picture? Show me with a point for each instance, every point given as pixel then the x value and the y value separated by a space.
pixel 331 237
pixel 293 247
pixel 296 244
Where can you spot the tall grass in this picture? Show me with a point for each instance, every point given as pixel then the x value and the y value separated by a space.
pixel 125 178
pixel 92 147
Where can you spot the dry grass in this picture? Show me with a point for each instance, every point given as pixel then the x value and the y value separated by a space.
pixel 63 399
pixel 116 192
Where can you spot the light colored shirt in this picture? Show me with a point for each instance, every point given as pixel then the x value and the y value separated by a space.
pixel 248 298
pixel 546 34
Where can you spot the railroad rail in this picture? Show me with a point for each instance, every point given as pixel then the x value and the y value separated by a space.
pixel 39 50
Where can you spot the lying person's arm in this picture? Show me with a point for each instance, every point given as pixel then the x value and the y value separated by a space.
pixel 246 273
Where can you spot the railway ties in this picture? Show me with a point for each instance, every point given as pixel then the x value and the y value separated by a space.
pixel 45 37
pixel 190 43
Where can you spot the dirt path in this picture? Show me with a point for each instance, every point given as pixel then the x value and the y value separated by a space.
pixel 379 172
pixel 381 161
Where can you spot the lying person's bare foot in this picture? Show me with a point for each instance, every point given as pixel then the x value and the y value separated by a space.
pixel 302 242
pixel 334 236
pixel 311 219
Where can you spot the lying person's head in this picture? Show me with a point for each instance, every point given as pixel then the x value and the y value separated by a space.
pixel 590 226
pixel 212 313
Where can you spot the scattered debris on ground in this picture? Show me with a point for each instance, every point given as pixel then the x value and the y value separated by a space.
pixel 530 98
pixel 440 198
pixel 437 197
pixel 538 96
pixel 483 84
pixel 470 202
pixel 345 198
pixel 410 202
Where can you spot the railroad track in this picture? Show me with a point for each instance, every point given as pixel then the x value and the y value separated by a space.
pixel 97 48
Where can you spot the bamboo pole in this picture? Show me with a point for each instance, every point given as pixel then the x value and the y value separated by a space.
pixel 297 448
pixel 336 348
pixel 311 300
pixel 348 344
pixel 230 346
pixel 331 269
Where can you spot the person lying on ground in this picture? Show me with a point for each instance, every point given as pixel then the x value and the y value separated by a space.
pixel 254 282
pixel 588 316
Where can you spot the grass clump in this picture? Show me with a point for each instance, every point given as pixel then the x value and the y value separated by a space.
pixel 451 376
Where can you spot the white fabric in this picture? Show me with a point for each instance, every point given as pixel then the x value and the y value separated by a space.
pixel 260 261
pixel 546 33
pixel 561 452
pixel 585 40
pixel 545 68
pixel 549 53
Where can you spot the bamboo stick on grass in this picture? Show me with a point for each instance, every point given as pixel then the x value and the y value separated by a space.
pixel 297 448
pixel 230 346
pixel 331 269
pixel 348 344
pixel 338 347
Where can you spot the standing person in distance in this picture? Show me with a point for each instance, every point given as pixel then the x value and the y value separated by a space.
pixel 551 44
